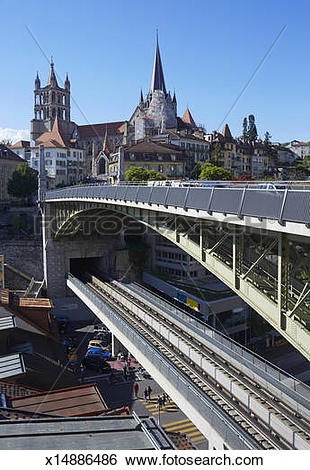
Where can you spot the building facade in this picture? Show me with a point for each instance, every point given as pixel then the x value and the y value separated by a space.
pixel 8 164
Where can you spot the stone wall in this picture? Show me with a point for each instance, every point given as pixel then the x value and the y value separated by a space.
pixel 25 255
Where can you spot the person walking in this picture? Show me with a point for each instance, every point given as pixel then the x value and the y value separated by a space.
pixel 146 394
pixel 163 399
pixel 136 389
pixel 149 392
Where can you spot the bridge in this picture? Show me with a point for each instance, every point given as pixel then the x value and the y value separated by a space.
pixel 235 398
pixel 255 241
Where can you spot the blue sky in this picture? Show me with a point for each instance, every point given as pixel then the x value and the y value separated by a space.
pixel 209 50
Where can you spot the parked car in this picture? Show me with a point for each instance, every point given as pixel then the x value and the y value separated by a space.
pixel 96 362
pixel 100 327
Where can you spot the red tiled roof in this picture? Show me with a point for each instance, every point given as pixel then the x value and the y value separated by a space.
pixel 21 144
pixel 300 144
pixel 83 400
pixel 96 130
pixel 53 138
pixel 188 118
pixel 152 147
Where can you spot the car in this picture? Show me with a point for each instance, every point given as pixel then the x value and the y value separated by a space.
pixel 98 343
pixel 100 327
pixel 97 363
pixel 271 186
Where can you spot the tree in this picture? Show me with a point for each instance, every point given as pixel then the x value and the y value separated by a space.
pixel 270 150
pixel 252 131
pixel 137 173
pixel 245 129
pixel 155 175
pixel 24 181
pixel 214 173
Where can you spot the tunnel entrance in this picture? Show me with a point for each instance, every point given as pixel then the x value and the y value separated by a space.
pixel 79 266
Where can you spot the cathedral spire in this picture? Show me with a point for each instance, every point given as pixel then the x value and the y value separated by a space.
pixel 105 146
pixel 141 96
pixel 52 80
pixel 157 81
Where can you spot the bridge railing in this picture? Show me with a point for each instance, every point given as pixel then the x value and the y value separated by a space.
pixel 223 425
pixel 283 205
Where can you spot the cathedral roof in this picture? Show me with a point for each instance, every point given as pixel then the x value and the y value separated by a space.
pixel 188 118
pixel 106 147
pixel 157 81
pixel 54 138
pixel 99 130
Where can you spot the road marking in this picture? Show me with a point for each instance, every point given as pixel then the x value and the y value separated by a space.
pixel 175 422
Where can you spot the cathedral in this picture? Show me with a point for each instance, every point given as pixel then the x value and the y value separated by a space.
pixel 155 115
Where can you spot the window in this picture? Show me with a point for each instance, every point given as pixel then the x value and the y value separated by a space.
pixel 173 157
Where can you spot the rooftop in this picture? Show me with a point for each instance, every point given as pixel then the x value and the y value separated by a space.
pixel 104 433
pixel 82 400
pixel 8 154
pixel 97 130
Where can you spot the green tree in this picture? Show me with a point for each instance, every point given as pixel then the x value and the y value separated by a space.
pixel 271 151
pixel 214 173
pixel 136 173
pixel 245 129
pixel 155 175
pixel 252 131
pixel 24 181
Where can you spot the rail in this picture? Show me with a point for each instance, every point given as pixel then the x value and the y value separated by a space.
pixel 283 205
pixel 224 425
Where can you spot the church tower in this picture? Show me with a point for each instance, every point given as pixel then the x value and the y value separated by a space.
pixel 157 112
pixel 51 101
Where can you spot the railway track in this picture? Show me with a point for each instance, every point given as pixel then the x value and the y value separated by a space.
pixel 295 431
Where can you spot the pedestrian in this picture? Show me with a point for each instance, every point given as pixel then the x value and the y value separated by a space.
pixel 159 401
pixel 136 389
pixel 145 394
pixel 164 399
pixel 149 392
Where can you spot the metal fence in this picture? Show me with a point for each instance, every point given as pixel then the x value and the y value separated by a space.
pixel 224 426
pixel 284 205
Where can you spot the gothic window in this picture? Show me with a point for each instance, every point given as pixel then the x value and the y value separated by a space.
pixel 59 112
pixel 53 112
pixel 58 97
pixel 47 113
pixel 53 97
pixel 63 99
pixel 63 114
pixel 37 99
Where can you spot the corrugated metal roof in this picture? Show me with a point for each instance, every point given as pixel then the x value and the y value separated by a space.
pixel 11 364
pixel 83 400
pixel 7 322
pixel 104 433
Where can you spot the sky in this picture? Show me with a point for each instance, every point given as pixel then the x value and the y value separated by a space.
pixel 209 49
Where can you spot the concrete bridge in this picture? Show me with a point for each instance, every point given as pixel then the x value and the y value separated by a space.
pixel 235 398
pixel 255 241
